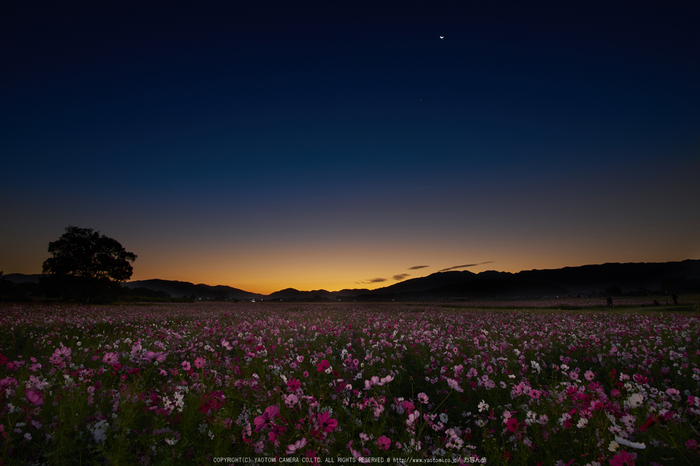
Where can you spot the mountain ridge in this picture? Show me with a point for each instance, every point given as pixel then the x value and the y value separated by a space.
pixel 614 277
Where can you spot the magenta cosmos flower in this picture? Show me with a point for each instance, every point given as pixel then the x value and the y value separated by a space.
pixel 151 356
pixel 264 419
pixel 323 365
pixel 294 384
pixel 384 442
pixel 623 459
pixel 512 424
pixel 35 397
pixel 327 424
pixel 199 363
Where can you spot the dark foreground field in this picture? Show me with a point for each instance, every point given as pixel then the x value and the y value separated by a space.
pixel 251 383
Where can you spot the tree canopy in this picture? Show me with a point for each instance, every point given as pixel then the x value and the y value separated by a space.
pixel 90 258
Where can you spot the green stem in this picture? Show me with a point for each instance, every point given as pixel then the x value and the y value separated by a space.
pixel 678 448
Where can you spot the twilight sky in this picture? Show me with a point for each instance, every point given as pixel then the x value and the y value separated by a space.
pixel 266 145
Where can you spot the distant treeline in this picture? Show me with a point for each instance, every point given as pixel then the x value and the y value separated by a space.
pixel 69 288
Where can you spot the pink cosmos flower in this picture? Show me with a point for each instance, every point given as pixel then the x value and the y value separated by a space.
pixel 110 358
pixel 290 400
pixel 186 365
pixel 623 459
pixel 294 384
pixel 423 398
pixel 384 442
pixel 512 424
pixel 35 397
pixel 265 418
pixel 412 419
pixel 327 424
pixel 454 385
pixel 589 375
pixel 387 379
pixel 298 445
pixel 674 393
pixel 323 365
pixel 199 363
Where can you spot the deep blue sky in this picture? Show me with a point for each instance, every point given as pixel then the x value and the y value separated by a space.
pixel 323 145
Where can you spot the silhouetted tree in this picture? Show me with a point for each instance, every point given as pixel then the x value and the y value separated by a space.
pixel 5 287
pixel 86 265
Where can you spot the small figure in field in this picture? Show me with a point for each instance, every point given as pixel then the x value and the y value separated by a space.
pixel 675 299
pixel 610 303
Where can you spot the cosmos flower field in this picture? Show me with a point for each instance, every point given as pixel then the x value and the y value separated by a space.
pixel 256 383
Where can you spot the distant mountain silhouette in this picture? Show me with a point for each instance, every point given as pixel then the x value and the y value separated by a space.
pixel 589 279
pixel 628 277
pixel 23 278
pixel 432 281
pixel 665 277
pixel 179 289
pixel 292 294
pixel 474 288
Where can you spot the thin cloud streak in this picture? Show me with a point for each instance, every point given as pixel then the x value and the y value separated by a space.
pixel 371 280
pixel 464 266
pixel 401 276
pixel 416 267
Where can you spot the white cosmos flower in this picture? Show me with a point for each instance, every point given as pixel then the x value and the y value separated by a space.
pixel 635 400
pixel 627 443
